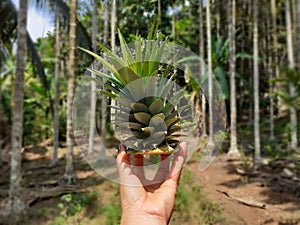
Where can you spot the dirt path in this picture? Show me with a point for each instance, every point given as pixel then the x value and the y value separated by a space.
pixel 221 178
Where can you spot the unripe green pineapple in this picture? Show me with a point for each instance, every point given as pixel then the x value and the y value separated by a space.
pixel 146 115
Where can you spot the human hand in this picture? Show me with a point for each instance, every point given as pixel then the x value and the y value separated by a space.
pixel 148 202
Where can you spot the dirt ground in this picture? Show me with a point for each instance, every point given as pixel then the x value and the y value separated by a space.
pixel 249 198
pixel 268 196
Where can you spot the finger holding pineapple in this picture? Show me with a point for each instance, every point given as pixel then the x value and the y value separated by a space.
pixel 148 203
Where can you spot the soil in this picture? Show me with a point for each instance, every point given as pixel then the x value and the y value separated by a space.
pixel 267 202
pixel 264 196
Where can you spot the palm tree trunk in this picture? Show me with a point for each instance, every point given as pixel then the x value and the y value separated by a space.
pixel 57 91
pixel 233 151
pixel 271 76
pixel 93 84
pixel 113 24
pixel 298 35
pixel 218 19
pixel 201 52
pixel 14 211
pixel 159 11
pixel 250 65
pixel 113 46
pixel 281 107
pixel 256 83
pixel 292 90
pixel 210 84
pixel 69 171
pixel 173 22
pixel 104 109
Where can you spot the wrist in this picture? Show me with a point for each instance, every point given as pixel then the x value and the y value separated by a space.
pixel 145 219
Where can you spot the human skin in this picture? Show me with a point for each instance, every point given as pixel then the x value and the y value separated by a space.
pixel 148 202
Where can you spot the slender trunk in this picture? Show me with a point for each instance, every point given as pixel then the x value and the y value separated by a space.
pixel 256 83
pixel 57 91
pixel 201 52
pixel 250 64
pixel 271 76
pixel 173 23
pixel 233 151
pixel 113 43
pixel 15 210
pixel 297 40
pixel 104 110
pixel 218 19
pixel 106 24
pixel 93 84
pixel 113 24
pixel 292 90
pixel 69 172
pixel 159 11
pixel 298 35
pixel 210 84
pixel 281 107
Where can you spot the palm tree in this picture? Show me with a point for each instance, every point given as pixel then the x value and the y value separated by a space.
pixel 256 83
pixel 68 177
pixel 159 11
pixel 8 35
pixel 298 34
pixel 104 109
pixel 233 151
pixel 113 20
pixel 57 90
pixel 15 210
pixel 210 84
pixel 291 60
pixel 271 76
pixel 201 51
pixel 93 84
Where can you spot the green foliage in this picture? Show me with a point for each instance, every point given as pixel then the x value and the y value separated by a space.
pixel 112 212
pixel 288 77
pixel 71 204
pixel 190 196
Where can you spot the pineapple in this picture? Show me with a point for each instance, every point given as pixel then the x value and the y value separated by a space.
pixel 146 115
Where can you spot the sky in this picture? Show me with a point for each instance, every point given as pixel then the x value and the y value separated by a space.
pixel 38 24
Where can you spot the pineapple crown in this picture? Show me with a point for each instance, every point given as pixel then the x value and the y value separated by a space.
pixel 140 61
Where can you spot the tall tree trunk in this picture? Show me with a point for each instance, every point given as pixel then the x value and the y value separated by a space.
pixel 93 83
pixel 271 76
pixel 233 151
pixel 210 84
pixel 113 24
pixel 113 21
pixel 201 52
pixel 104 110
pixel 281 107
pixel 173 22
pixel 159 11
pixel 218 18
pixel 256 83
pixel 57 90
pixel 68 177
pixel 14 211
pixel 250 64
pixel 292 90
pixel 298 35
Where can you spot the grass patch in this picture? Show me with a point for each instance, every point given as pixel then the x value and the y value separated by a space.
pixel 192 206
